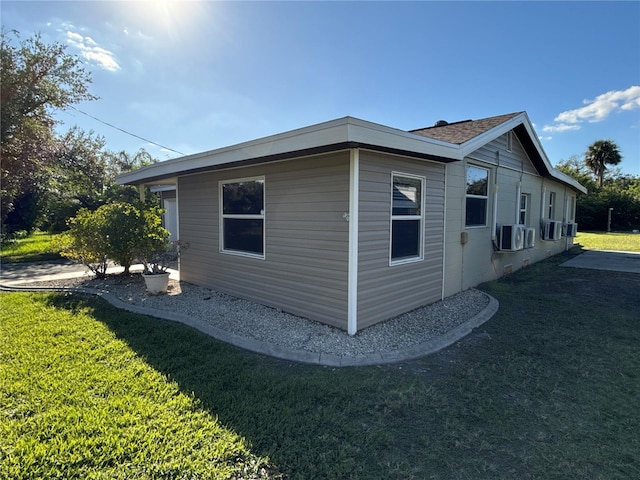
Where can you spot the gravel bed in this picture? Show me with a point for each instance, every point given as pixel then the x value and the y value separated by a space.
pixel 251 320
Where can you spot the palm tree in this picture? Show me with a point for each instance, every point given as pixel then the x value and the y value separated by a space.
pixel 600 154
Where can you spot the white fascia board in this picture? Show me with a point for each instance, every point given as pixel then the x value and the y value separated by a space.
pixel 342 130
pixel 553 172
pixel 566 179
pixel 361 131
pixel 490 135
pixel 475 143
pixel 307 137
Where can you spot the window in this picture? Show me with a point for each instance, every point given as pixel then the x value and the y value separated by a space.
pixel 242 216
pixel 571 209
pixel 552 206
pixel 407 214
pixel 477 196
pixel 509 141
pixel 524 208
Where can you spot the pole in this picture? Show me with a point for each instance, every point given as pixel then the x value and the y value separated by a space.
pixel 609 220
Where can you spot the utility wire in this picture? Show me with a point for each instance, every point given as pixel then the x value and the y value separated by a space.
pixel 124 131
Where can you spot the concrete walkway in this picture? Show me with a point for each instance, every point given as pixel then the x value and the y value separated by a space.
pixel 46 271
pixel 606 260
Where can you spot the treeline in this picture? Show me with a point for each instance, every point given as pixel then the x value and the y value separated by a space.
pixel 609 189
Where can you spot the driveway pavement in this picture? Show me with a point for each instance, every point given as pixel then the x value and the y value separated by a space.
pixel 606 260
pixel 23 273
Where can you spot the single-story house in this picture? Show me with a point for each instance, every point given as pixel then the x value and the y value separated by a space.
pixel 351 223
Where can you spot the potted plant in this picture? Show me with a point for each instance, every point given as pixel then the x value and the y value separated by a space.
pixel 156 264
pixel 155 251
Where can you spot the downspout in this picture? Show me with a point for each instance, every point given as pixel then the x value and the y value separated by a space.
pixel 444 233
pixel 352 289
pixel 178 225
pixel 494 223
pixel 518 200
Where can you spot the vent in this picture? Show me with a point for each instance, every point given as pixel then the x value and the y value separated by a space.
pixel 441 123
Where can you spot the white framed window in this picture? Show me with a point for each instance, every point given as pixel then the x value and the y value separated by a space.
pixel 523 218
pixel 571 209
pixel 242 218
pixel 551 207
pixel 477 199
pixel 407 218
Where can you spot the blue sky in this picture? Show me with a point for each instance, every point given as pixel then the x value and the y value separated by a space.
pixel 194 76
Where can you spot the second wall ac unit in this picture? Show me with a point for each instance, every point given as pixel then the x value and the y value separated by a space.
pixel 572 229
pixel 529 237
pixel 552 230
pixel 511 237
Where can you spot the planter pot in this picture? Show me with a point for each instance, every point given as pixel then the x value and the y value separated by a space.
pixel 157 282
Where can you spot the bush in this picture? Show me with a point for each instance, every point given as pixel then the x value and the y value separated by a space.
pixel 116 231
pixel 593 209
pixel 86 241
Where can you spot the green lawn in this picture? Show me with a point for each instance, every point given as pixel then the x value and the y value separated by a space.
pixel 548 388
pixel 37 246
pixel 79 402
pixel 628 242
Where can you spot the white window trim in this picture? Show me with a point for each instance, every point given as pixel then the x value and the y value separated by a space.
pixel 486 197
pixel 551 206
pixel 527 202
pixel 222 216
pixel 509 141
pixel 420 217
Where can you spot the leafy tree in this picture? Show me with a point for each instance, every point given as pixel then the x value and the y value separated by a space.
pixel 600 154
pixel 36 80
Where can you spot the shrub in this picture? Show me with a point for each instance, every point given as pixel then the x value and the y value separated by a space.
pixel 86 241
pixel 116 231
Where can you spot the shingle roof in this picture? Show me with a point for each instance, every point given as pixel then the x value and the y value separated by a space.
pixel 460 132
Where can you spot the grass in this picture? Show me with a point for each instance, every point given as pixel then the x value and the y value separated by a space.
pixel 627 242
pixel 77 402
pixel 35 247
pixel 548 388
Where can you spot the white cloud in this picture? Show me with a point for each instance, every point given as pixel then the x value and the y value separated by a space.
pixel 91 51
pixel 602 106
pixel 561 127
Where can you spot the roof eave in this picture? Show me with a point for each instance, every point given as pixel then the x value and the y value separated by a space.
pixel 346 132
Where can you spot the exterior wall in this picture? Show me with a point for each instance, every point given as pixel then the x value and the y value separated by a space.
pixel 305 268
pixel 477 261
pixel 385 291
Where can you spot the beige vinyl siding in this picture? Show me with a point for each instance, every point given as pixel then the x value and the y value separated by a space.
pixel 516 159
pixel 476 262
pixel 385 291
pixel 306 237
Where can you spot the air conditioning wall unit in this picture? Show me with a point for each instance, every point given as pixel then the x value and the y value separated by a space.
pixel 572 229
pixel 529 237
pixel 511 237
pixel 552 230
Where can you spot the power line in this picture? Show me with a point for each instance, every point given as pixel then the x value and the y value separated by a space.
pixel 124 131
